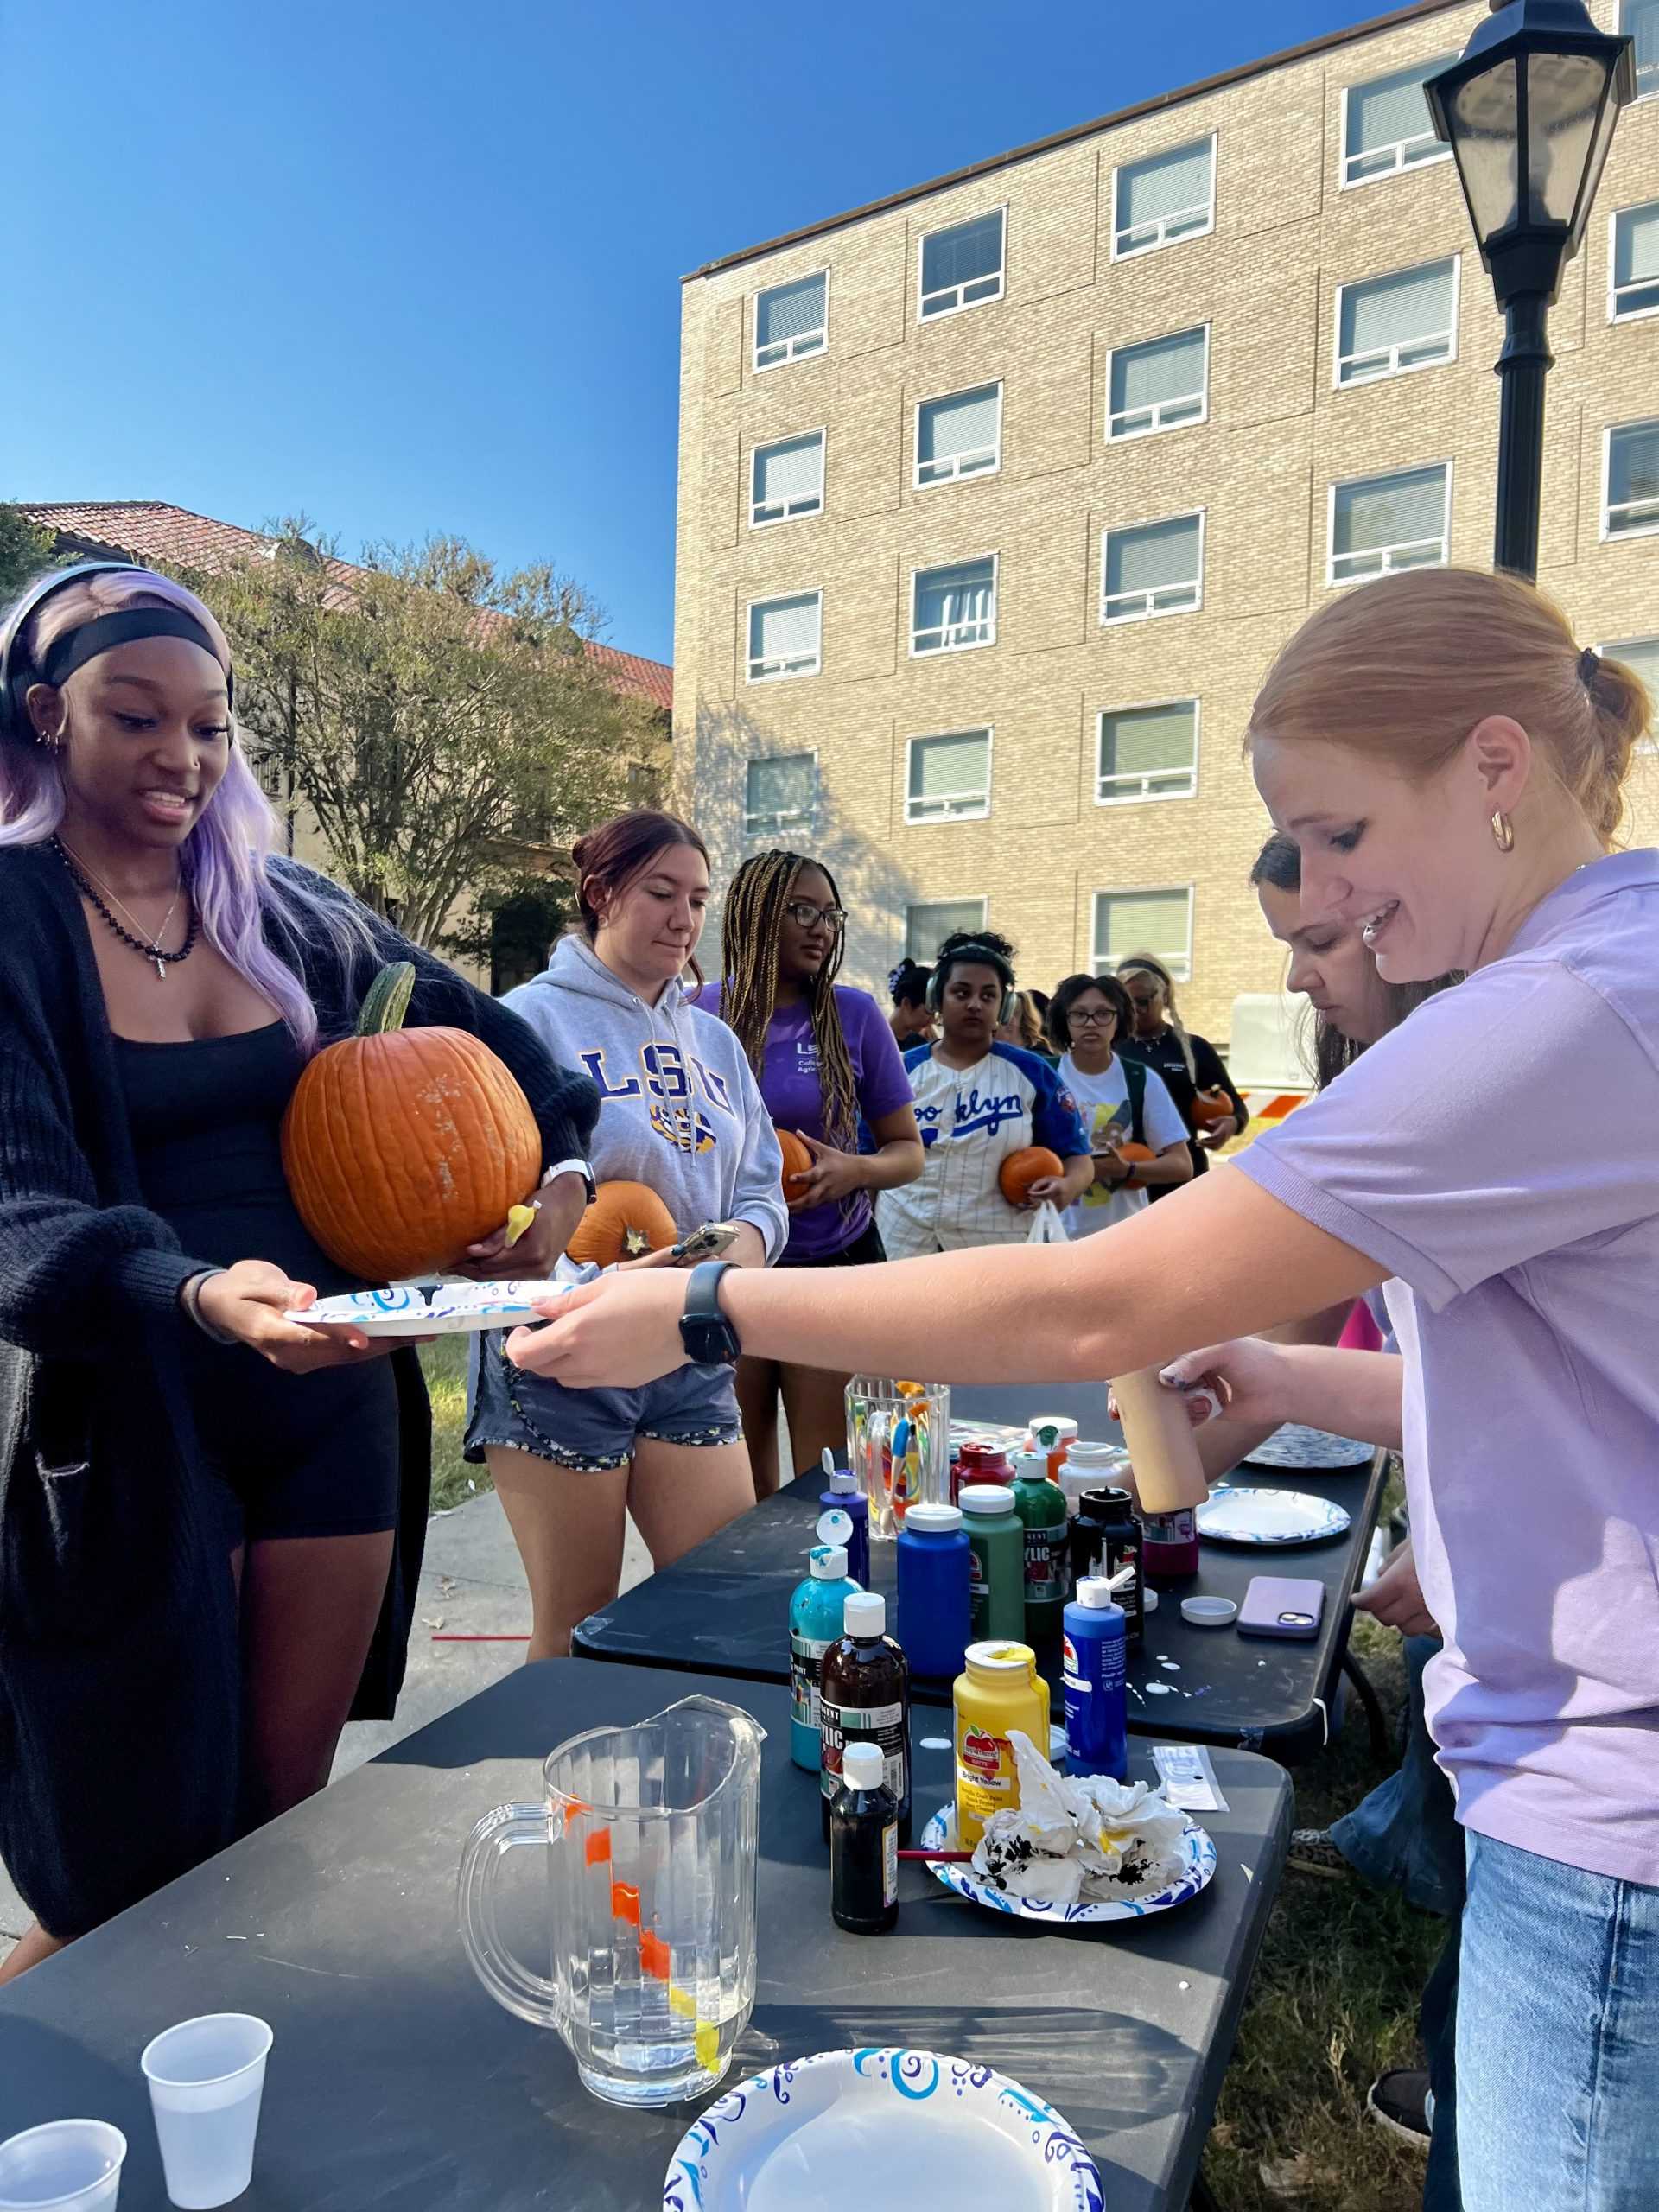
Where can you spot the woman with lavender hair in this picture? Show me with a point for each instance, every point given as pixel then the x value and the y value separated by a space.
pixel 205 1508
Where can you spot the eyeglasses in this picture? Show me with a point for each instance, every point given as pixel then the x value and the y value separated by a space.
pixel 1096 1020
pixel 803 914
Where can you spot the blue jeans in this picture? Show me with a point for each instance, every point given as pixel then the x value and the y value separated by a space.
pixel 1557 2038
pixel 1405 1835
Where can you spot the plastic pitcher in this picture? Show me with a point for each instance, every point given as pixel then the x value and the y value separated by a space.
pixel 650 1836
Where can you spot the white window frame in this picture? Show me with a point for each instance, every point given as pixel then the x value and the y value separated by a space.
pixel 967 899
pixel 1144 798
pixel 1186 238
pixel 781 674
pixel 1652 92
pixel 1334 582
pixel 1151 614
pixel 1650 743
pixel 956 473
pixel 973 644
pixel 1650 524
pixel 798 348
pixel 795 510
pixel 1395 366
pixel 1157 426
pixel 782 818
pixel 1399 166
pixel 1179 964
pixel 1631 314
pixel 979 803
pixel 962 307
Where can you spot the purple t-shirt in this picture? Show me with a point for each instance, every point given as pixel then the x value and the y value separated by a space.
pixel 1500 1153
pixel 793 1094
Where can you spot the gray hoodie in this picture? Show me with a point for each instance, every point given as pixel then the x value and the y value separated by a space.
pixel 678 1108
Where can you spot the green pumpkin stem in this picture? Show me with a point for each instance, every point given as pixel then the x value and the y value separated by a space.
pixel 386 1002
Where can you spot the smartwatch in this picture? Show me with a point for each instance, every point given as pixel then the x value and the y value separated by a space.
pixel 572 1166
pixel 710 1338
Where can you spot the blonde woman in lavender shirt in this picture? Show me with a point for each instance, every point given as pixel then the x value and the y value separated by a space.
pixel 1449 763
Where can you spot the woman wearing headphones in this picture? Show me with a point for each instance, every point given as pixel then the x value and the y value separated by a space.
pixel 1450 765
pixel 1188 1065
pixel 976 1102
pixel 204 1505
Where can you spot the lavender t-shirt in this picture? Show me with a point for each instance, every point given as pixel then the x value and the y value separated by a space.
pixel 792 1090
pixel 1500 1153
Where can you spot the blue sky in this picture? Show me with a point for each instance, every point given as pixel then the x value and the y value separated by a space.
pixel 411 266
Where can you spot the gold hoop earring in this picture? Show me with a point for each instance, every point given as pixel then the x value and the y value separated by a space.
pixel 1504 833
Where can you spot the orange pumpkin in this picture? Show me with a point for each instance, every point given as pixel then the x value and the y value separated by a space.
pixel 403 1146
pixel 1134 1151
pixel 797 1160
pixel 1210 1106
pixel 625 1222
pixel 1021 1169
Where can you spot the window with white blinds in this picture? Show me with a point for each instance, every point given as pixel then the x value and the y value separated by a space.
pixel 1639 20
pixel 787 479
pixel 930 921
pixel 1388 325
pixel 1157 567
pixel 959 436
pixel 1631 507
pixel 954 608
pixel 1634 287
pixel 948 777
pixel 1148 753
pixel 785 636
pixel 791 321
pixel 1160 385
pixel 1641 656
pixel 780 794
pixel 962 267
pixel 1379 524
pixel 1158 922
pixel 1164 199
pixel 1386 126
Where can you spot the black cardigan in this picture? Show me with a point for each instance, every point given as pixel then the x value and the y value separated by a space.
pixel 119 1679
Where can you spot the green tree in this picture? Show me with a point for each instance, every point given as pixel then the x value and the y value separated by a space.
pixel 436 715
pixel 25 550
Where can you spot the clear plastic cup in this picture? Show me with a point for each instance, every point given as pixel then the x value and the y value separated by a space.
pixel 206 2078
pixel 70 2165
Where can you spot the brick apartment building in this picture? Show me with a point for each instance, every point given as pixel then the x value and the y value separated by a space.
pixel 997 497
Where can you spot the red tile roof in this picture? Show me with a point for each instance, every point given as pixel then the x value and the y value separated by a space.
pixel 150 530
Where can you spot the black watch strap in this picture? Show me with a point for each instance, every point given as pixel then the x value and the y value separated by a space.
pixel 710 1338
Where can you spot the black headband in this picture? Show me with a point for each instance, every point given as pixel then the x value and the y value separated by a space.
pixel 84 643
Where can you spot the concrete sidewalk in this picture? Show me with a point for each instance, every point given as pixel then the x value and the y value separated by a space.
pixel 472 1583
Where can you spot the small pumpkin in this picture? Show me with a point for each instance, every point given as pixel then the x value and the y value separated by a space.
pixel 797 1160
pixel 1023 1168
pixel 625 1222
pixel 1135 1152
pixel 1210 1106
pixel 403 1146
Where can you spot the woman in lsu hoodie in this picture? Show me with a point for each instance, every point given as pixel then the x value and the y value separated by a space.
pixel 679 1111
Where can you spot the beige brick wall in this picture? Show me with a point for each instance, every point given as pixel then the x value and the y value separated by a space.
pixel 1276 437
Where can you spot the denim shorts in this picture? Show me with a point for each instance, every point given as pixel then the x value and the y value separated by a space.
pixel 592 1430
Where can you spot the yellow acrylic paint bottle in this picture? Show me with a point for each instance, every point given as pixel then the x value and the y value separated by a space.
pixel 998 1689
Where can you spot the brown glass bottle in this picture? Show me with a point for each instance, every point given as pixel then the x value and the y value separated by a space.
pixel 864 1697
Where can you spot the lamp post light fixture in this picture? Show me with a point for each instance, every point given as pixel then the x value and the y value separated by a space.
pixel 1528 110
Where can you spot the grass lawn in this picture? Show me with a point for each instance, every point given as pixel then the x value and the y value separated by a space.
pixel 1335 1997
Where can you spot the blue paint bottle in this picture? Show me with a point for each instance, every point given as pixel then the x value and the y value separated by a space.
pixel 1092 1650
pixel 844 1496
pixel 815 1619
pixel 935 1590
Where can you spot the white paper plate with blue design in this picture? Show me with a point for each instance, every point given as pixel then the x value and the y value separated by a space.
pixel 1244 1515
pixel 410 1310
pixel 891 2130
pixel 1136 1902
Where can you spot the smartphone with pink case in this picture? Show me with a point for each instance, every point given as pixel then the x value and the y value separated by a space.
pixel 1281 1604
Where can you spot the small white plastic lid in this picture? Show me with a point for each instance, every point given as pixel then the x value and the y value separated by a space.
pixel 862 1766
pixel 1013 1657
pixel 843 1481
pixel 835 1527
pixel 1080 1452
pixel 1063 1427
pixel 1208 1612
pixel 1148 1599
pixel 1030 1467
pixel 1095 1591
pixel 940 1518
pixel 866 1614
pixel 986 1498
pixel 828 1562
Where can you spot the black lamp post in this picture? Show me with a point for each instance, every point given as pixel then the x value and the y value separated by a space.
pixel 1528 111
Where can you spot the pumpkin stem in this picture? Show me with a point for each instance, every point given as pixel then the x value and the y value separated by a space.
pixel 386 1001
